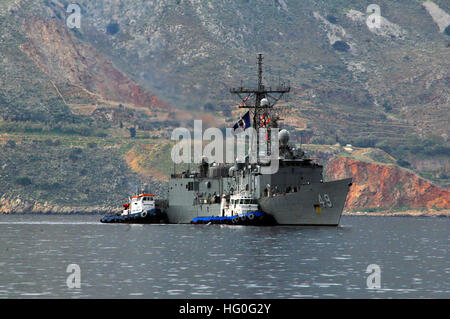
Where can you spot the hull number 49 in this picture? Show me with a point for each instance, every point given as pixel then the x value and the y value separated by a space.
pixel 325 201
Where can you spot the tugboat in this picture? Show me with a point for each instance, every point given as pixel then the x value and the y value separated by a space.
pixel 238 209
pixel 140 209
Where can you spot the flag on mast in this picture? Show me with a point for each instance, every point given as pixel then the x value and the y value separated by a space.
pixel 242 124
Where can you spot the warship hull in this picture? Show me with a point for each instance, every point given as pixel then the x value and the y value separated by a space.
pixel 303 207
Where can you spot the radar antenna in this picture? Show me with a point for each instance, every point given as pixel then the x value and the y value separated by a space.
pixel 261 107
pixel 261 102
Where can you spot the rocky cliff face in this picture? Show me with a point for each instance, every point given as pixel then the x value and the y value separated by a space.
pixel 192 51
pixel 385 186
pixel 66 59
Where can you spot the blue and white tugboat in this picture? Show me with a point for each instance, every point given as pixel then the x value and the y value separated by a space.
pixel 140 209
pixel 238 209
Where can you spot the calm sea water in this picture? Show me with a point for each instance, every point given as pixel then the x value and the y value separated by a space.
pixel 199 261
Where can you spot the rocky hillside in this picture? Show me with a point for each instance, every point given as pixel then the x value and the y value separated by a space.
pixel 91 109
pixel 380 184
pixel 324 48
pixel 69 61
pixel 66 173
pixel 386 186
pixel 50 75
pixel 386 87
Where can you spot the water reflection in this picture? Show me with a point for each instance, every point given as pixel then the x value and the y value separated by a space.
pixel 196 261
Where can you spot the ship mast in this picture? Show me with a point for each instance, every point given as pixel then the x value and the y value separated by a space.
pixel 264 99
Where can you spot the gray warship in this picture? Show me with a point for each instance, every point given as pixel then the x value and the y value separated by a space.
pixel 295 195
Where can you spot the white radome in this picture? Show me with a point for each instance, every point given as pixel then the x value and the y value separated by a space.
pixel 283 137
pixel 264 102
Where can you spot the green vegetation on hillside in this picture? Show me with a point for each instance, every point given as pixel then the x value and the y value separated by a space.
pixel 68 170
